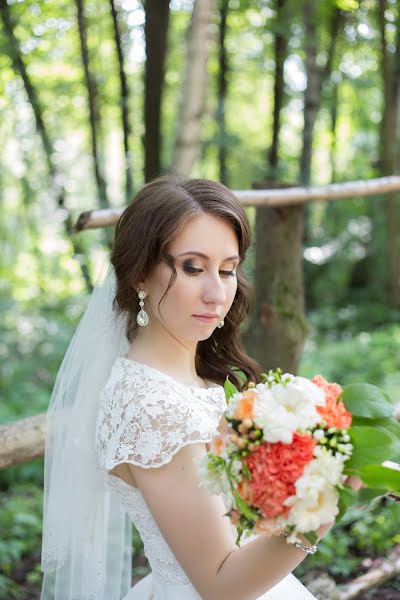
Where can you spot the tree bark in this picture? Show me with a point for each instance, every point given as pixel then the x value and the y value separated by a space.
pixel 315 79
pixel 94 115
pixel 388 569
pixel 278 329
pixel 55 177
pixel 156 30
pixel 22 441
pixel 124 102
pixel 269 197
pixel 193 101
pixel 390 69
pixel 277 325
pixel 222 90
pixel 280 52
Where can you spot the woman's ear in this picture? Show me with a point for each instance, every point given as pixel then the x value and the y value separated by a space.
pixel 139 286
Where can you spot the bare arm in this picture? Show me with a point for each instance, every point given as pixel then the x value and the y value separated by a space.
pixel 193 524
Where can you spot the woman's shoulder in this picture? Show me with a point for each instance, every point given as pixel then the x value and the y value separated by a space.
pixel 130 380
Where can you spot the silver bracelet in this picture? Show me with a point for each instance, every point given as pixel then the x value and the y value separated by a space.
pixel 306 549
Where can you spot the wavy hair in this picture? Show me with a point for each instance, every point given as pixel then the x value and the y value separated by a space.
pixel 143 237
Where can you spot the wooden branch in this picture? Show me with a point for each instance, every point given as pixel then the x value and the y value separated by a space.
pixel 22 441
pixel 387 570
pixel 273 198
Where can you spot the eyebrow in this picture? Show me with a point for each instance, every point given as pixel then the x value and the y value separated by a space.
pixel 194 252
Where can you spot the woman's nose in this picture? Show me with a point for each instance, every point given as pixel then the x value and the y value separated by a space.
pixel 214 290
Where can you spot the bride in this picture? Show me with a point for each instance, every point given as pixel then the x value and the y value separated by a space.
pixel 137 400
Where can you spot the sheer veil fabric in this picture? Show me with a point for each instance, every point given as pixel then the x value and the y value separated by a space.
pixel 86 546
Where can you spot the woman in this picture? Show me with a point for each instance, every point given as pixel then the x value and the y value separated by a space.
pixel 148 364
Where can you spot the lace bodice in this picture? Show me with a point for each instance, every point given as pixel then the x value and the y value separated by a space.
pixel 144 418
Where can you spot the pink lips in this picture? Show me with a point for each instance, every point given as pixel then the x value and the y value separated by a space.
pixel 206 318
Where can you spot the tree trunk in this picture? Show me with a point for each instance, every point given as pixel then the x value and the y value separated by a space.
pixel 315 80
pixel 280 52
pixel 390 69
pixel 278 329
pixel 192 108
pixel 156 29
pixel 124 102
pixel 222 91
pixel 55 178
pixel 94 114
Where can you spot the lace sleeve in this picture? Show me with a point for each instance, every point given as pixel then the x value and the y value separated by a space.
pixel 145 422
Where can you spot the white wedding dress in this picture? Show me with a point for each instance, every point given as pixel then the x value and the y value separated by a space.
pixel 145 417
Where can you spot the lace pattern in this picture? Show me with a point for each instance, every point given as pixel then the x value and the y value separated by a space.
pixel 144 418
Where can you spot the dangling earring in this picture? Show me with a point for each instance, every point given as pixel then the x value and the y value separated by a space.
pixel 142 318
pixel 221 324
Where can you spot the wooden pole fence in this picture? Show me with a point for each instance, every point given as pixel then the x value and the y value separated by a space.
pixel 94 219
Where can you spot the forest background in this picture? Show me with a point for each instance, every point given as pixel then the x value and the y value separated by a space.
pixel 97 97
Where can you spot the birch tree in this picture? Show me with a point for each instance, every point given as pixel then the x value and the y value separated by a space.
pixel 192 107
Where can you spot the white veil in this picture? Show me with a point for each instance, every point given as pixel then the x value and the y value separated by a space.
pixel 86 547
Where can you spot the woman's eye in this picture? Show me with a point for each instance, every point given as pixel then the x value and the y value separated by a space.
pixel 194 270
pixel 229 273
pixel 189 269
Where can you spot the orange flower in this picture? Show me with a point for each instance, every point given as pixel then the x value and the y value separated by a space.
pixel 217 445
pixel 245 491
pixel 334 412
pixel 244 409
pixel 275 468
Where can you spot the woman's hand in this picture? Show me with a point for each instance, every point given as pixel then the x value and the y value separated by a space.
pixel 354 482
pixel 321 532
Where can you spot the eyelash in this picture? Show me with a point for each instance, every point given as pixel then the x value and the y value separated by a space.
pixel 193 271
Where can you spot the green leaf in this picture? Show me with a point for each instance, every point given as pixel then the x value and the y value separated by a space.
pixel 390 426
pixel 370 493
pixel 366 400
pixel 388 423
pixel 241 375
pixel 371 445
pixel 347 497
pixel 377 476
pixel 244 509
pixel 230 389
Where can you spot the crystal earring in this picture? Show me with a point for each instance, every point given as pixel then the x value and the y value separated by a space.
pixel 221 324
pixel 142 318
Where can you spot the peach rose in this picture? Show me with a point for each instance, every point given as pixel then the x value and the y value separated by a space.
pixel 217 445
pixel 245 491
pixel 244 409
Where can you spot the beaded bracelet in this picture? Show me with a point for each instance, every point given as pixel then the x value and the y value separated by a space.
pixel 306 549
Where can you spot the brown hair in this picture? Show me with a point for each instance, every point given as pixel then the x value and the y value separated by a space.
pixel 143 236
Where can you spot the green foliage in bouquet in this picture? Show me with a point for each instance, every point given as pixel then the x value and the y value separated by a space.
pixel 375 435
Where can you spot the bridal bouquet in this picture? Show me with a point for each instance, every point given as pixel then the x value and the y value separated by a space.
pixel 289 446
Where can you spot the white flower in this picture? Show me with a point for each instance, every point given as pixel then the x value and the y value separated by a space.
pixel 311 390
pixel 276 422
pixel 316 499
pixel 325 469
pixel 236 467
pixel 214 480
pixel 300 399
pixel 307 514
